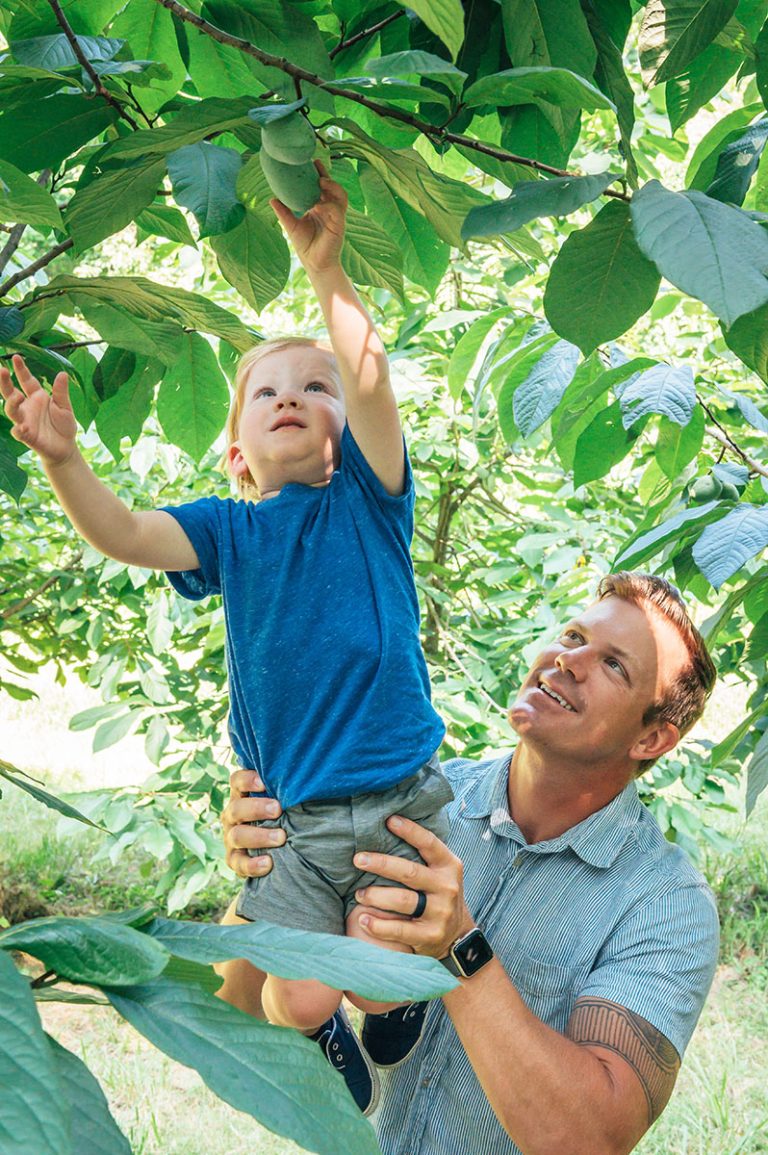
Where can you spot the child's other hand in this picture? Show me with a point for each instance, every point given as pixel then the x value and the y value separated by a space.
pixel 318 236
pixel 42 421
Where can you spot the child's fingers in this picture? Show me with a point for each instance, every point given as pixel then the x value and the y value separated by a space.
pixel 28 383
pixel 60 391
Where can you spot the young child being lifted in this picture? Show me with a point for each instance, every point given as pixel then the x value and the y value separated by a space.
pixel 329 694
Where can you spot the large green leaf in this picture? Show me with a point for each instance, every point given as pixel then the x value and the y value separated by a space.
pixel 548 32
pixel 757 773
pixel 23 781
pixel 583 402
pixel 274 1074
pixel 468 347
pixel 254 258
pixel 202 119
pixel 604 443
pixel 93 1130
pixel 530 199
pixel 55 52
pixel 284 31
pixel 674 32
pixel 665 389
pixel 748 339
pixel 610 74
pixel 13 479
pixel 33 1114
pixel 164 221
pixel 737 164
pixel 219 69
pixel 538 395
pixel 677 445
pixel 124 413
pixel 425 257
pixel 145 299
pixel 24 201
pixel 680 526
pixel 36 18
pixel 193 398
pixel 702 165
pixel 89 950
pixel 42 134
pixel 204 179
pixel 112 201
pixel 600 282
pixel 12 322
pixel 342 963
pixel 119 328
pixel 707 249
pixel 370 256
pixel 443 17
pixel 724 547
pixel 149 29
pixel 415 64
pixel 506 371
pixel 542 85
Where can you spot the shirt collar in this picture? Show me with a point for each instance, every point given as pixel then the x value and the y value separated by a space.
pixel 597 839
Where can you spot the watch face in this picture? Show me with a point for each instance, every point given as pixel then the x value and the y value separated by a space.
pixel 473 952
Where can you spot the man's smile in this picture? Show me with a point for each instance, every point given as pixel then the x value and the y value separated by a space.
pixel 555 695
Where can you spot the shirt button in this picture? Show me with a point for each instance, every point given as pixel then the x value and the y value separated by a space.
pixel 518 860
pixel 425 1081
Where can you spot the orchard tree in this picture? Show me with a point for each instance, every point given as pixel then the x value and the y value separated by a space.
pixel 559 214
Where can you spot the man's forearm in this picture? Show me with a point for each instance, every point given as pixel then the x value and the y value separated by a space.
pixel 359 350
pixel 551 1095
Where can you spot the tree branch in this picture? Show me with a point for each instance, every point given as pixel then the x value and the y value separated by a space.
pixel 40 263
pixel 66 28
pixel 22 603
pixel 17 231
pixel 725 440
pixel 432 131
pixel 340 47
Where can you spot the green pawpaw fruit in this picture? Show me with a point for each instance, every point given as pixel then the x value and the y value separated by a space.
pixel 289 139
pixel 296 185
pixel 706 488
pixel 729 492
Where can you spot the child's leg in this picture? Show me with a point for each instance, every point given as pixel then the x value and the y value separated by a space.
pixel 301 1003
pixel 354 930
pixel 243 982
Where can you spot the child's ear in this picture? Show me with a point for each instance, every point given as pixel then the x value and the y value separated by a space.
pixel 236 463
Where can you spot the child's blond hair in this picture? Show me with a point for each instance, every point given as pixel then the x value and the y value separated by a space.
pixel 245 483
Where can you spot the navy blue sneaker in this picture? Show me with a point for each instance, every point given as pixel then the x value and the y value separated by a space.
pixel 390 1038
pixel 346 1054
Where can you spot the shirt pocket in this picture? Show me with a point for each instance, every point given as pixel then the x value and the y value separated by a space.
pixel 546 988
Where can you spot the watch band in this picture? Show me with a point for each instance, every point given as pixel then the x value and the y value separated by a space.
pixel 468 954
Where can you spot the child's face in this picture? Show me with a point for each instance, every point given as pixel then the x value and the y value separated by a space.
pixel 291 420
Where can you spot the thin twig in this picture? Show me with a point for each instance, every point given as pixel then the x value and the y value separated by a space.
pixel 727 442
pixel 66 28
pixel 432 131
pixel 22 603
pixel 451 651
pixel 366 32
pixel 40 263
pixel 16 232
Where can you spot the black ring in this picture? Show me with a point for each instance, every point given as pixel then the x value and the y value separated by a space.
pixel 421 904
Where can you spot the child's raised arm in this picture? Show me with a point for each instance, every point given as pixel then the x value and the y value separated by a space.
pixel 45 422
pixel 372 414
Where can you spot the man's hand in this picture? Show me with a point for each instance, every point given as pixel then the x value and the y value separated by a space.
pixel 440 876
pixel 318 236
pixel 42 421
pixel 239 837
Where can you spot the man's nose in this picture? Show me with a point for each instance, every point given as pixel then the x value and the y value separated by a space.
pixel 573 661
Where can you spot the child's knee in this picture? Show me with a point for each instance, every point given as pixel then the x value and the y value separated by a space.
pixel 305 1005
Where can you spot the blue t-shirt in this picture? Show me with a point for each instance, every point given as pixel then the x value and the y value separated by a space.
pixel 328 686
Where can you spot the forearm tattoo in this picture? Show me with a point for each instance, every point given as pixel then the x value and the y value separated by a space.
pixel 600 1023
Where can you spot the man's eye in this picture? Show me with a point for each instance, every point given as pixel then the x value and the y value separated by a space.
pixel 615 664
pixel 572 635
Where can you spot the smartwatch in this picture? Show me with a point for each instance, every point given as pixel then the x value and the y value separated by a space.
pixel 468 954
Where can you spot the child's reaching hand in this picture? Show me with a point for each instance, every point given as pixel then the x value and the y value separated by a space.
pixel 318 236
pixel 42 421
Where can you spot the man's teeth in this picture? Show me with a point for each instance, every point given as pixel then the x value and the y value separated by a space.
pixel 557 697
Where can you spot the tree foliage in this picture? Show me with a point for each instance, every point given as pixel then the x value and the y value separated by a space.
pixel 529 183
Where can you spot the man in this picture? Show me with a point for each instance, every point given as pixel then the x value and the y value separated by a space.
pixel 599 939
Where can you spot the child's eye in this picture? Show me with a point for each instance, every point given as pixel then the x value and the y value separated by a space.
pixel 267 391
pixel 314 387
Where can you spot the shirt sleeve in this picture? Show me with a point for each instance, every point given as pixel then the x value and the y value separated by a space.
pixel 661 960
pixel 201 522
pixel 354 465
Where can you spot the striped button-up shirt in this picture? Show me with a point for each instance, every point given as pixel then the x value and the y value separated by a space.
pixel 609 909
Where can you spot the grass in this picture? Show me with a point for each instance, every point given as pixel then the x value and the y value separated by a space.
pixel 720 1104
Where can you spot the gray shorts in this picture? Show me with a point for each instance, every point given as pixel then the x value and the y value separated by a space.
pixel 313 880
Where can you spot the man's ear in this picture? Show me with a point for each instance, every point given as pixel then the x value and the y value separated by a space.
pixel 657 739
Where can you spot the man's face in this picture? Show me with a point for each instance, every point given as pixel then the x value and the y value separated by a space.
pixel 291 419
pixel 586 694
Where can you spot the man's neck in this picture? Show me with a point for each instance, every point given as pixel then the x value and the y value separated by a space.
pixel 546 799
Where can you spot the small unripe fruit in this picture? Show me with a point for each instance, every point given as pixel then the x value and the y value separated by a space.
pixel 296 185
pixel 706 488
pixel 289 139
